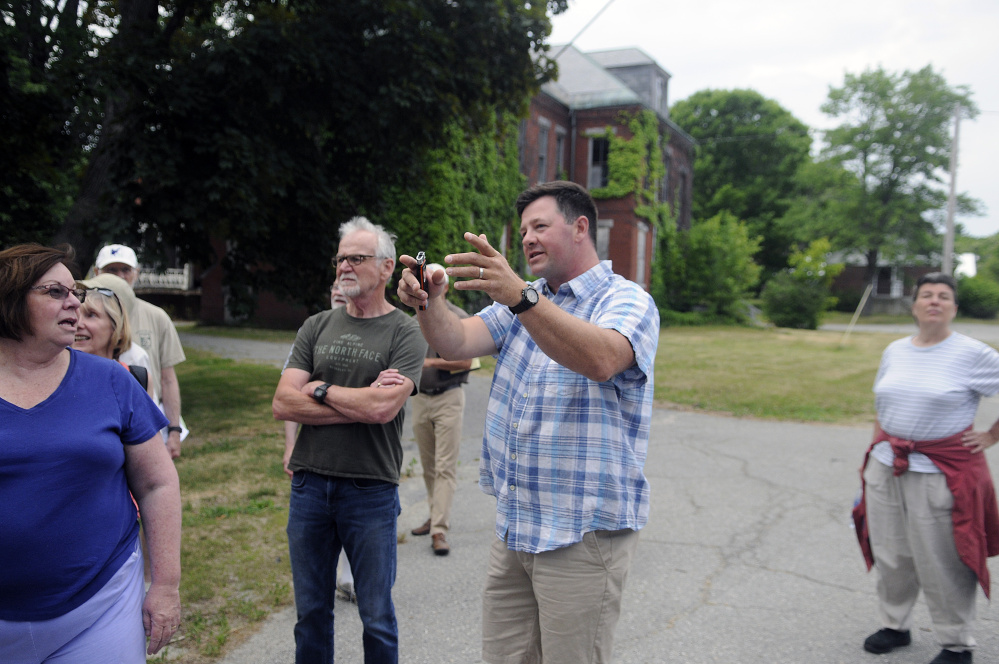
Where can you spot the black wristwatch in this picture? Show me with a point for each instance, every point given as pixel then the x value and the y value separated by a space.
pixel 320 392
pixel 528 298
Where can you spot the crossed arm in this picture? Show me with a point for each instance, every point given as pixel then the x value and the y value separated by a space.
pixel 372 405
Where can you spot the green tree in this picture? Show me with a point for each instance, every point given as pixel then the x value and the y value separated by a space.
pixel 468 183
pixel 45 75
pixel 708 269
pixel 265 123
pixel 796 297
pixel 749 149
pixel 978 297
pixel 894 139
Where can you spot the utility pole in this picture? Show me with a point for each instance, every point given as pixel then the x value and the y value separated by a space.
pixel 948 248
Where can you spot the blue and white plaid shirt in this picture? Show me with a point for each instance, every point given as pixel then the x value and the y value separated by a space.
pixel 562 454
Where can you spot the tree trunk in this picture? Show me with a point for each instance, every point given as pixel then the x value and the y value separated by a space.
pixel 872 266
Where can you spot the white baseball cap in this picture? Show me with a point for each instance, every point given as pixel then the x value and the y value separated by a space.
pixel 116 253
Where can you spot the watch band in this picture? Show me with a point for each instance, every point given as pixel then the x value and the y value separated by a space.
pixel 171 429
pixel 526 301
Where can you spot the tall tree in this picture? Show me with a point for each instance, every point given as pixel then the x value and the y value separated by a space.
pixel 749 149
pixel 894 138
pixel 46 100
pixel 267 122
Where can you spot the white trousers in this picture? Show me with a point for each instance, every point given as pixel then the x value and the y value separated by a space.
pixel 912 538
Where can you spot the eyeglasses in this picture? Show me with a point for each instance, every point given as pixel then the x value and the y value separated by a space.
pixel 353 259
pixel 60 292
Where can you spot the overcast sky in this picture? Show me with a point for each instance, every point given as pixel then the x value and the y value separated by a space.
pixel 793 51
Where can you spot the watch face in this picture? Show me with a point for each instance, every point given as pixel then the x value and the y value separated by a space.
pixel 320 393
pixel 531 295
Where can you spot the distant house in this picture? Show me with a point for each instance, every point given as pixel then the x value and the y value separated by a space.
pixel 891 286
pixel 565 137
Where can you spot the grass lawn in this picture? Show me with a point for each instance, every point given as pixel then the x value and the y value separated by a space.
pixel 234 494
pixel 843 318
pixel 770 373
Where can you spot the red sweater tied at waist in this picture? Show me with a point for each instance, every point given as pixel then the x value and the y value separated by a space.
pixel 975 514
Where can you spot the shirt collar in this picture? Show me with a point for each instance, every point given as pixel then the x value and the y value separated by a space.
pixel 583 285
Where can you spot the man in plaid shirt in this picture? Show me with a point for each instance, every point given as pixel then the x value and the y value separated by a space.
pixel 567 425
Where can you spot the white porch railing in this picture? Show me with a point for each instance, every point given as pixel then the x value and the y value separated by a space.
pixel 172 279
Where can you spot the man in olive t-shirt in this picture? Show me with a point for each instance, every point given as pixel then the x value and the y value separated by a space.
pixel 348 456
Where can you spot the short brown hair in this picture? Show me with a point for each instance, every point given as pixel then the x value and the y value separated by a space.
pixel 936 278
pixel 20 267
pixel 571 199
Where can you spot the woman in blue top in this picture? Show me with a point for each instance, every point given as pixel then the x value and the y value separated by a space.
pixel 77 432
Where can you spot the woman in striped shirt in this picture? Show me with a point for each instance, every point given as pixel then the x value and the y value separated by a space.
pixel 928 517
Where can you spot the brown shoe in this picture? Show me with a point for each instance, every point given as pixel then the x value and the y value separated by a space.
pixel 440 545
pixel 422 530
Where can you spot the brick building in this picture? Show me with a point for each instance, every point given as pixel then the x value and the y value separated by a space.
pixel 565 137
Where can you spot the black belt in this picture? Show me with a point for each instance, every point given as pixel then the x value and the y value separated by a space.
pixel 439 390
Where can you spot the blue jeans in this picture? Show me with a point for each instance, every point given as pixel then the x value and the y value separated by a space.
pixel 359 515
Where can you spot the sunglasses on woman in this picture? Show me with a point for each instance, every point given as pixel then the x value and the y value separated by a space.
pixel 106 292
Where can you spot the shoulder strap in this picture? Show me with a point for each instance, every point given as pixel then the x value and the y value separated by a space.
pixel 141 375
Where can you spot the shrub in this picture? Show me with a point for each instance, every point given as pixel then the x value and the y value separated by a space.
pixel 796 303
pixel 707 270
pixel 978 297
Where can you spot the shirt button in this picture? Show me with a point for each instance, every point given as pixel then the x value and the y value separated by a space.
pixel 513 455
pixel 525 395
pixel 513 488
pixel 515 426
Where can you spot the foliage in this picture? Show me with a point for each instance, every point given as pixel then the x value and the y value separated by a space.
pixel 749 149
pixel 797 296
pixel 812 264
pixel 43 80
pixel 825 204
pixel 978 297
pixel 467 184
pixel 707 269
pixel 894 139
pixel 635 165
pixel 265 123
pixel 794 303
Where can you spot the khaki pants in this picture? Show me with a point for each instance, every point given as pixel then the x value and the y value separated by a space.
pixel 556 607
pixel 912 538
pixel 437 427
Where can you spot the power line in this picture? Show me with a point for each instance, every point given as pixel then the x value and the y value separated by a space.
pixel 595 17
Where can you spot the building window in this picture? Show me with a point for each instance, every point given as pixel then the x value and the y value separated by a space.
pixel 599 147
pixel 559 154
pixel 643 236
pixel 542 154
pixel 604 227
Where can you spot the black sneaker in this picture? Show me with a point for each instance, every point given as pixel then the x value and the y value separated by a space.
pixel 952 657
pixel 886 640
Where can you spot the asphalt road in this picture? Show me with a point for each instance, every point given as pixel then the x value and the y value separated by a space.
pixel 749 556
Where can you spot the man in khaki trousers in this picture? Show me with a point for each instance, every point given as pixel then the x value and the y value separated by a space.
pixel 437 415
